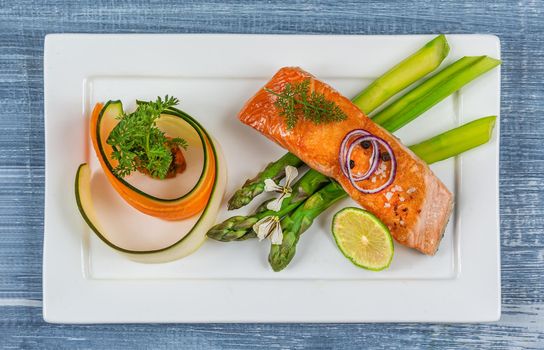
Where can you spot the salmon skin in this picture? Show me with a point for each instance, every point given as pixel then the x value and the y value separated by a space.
pixel 416 206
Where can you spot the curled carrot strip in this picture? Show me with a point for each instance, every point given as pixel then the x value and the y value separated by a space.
pixel 185 207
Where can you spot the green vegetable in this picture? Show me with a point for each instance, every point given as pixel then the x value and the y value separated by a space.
pixel 413 68
pixel 255 186
pixel 433 90
pixel 455 141
pixel 393 81
pixel 241 227
pixel 138 144
pixel 459 140
pixel 296 100
pixel 299 221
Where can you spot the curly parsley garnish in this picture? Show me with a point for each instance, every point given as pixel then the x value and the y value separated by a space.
pixel 137 142
pixel 296 100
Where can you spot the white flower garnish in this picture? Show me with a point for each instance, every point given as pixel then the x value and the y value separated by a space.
pixel 269 227
pixel 285 191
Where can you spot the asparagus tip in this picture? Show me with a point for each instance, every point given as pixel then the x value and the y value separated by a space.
pixel 237 200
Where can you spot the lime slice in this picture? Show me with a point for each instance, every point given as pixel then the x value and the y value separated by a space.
pixel 363 238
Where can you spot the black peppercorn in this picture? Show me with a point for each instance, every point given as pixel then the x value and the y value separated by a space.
pixel 365 144
pixel 351 164
pixel 386 156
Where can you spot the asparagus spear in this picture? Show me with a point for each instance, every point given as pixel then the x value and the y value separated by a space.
pixel 433 90
pixel 299 221
pixel 448 144
pixel 455 141
pixel 419 64
pixel 241 227
pixel 253 187
pixel 413 68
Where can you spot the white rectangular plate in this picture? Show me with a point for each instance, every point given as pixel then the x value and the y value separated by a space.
pixel 213 75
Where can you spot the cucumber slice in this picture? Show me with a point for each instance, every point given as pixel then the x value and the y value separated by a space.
pixel 189 241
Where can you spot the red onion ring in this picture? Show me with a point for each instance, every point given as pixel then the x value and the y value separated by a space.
pixel 345 157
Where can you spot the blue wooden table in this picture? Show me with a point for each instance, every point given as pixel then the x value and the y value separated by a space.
pixel 520 26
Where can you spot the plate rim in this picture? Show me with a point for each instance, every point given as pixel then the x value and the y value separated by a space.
pixel 54 295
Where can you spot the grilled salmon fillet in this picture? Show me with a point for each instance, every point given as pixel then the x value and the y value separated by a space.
pixel 416 206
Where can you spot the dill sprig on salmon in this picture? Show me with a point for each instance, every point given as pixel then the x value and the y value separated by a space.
pixel 297 101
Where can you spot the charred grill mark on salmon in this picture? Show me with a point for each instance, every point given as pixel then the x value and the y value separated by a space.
pixel 416 205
